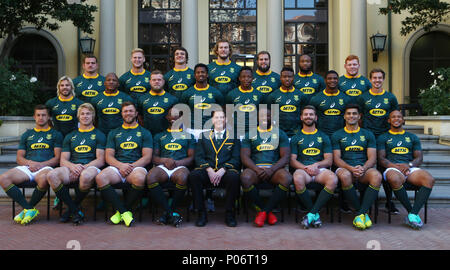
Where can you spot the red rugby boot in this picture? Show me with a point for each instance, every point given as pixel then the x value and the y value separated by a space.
pixel 271 218
pixel 260 218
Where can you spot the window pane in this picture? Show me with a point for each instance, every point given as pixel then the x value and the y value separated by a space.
pixel 289 3
pixel 251 3
pixel 214 4
pixel 305 3
pixel 160 4
pixel 289 32
pixel 290 61
pixel 321 65
pixel 306 15
pixel 145 3
pixel 322 33
pixel 175 3
pixel 305 32
pixel 289 49
pixel 175 33
pixel 231 3
pixel 250 35
pixel 321 3
pixel 322 48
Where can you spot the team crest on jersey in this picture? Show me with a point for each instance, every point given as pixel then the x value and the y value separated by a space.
pixel 362 138
pixel 272 80
pixel 49 136
pixel 146 80
pixel 386 101
pixel 166 100
pixel 362 82
pixel 210 95
pixel 99 83
pixel 73 107
pixel 314 80
pixel 407 139
pixel 232 70
pixel 255 97
pixel 93 136
pixel 319 139
pixel 138 134
pixel 341 101
pixel 119 101
pixel 188 76
pixel 296 97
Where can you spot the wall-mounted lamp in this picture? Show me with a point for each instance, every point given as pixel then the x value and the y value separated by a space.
pixel 377 41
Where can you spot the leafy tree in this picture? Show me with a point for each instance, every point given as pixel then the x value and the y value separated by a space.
pixel 15 14
pixel 423 13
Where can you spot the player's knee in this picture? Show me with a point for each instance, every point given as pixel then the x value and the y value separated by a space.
pixel 375 178
pixel 4 181
pixel 151 178
pixel 345 177
pixel 331 181
pixel 299 183
pixel 101 180
pixel 53 179
pixel 394 181
pixel 246 180
pixel 284 178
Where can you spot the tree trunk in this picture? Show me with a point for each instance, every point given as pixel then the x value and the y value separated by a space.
pixel 7 45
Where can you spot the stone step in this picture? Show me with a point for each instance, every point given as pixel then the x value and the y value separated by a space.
pixel 431 148
pixel 414 129
pixel 425 138
pixel 9 149
pixel 436 161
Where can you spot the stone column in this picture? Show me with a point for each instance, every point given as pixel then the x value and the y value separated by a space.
pixel 189 30
pixel 107 36
pixel 275 34
pixel 358 32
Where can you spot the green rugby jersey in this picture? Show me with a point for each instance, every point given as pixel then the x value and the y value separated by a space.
pixel 39 144
pixel 154 108
pixel 178 81
pixel 399 146
pixel 135 84
pixel 128 142
pixel 224 77
pixel 330 110
pixel 265 146
pixel 173 144
pixel 309 84
pixel 246 102
pixel 353 86
pixel 83 144
pixel 88 87
pixel 310 147
pixel 353 145
pixel 376 109
pixel 266 82
pixel 201 99
pixel 64 113
pixel 108 109
pixel 290 104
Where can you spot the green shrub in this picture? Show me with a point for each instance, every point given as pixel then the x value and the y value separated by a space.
pixel 17 91
pixel 435 100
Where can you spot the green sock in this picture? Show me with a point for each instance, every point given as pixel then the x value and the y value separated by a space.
pixel 421 198
pixel 158 196
pixel 278 194
pixel 110 195
pixel 14 193
pixel 133 195
pixel 253 196
pixel 324 196
pixel 80 195
pixel 304 198
pixel 370 196
pixel 350 194
pixel 178 195
pixel 62 192
pixel 402 196
pixel 37 196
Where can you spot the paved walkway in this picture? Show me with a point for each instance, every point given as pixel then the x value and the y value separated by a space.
pixel 51 235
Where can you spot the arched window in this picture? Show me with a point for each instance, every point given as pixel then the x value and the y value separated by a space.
pixel 38 57
pixel 429 52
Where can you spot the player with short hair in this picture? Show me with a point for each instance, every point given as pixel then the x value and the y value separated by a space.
pixel 246 100
pixel 154 105
pixel 223 73
pixel 307 81
pixel 265 80
pixel 354 154
pixel 39 151
pixel 181 77
pixel 400 153
pixel 202 98
pixel 173 154
pixel 83 154
pixel 136 81
pixel 312 157
pixel 290 101
pixel 89 84
pixel 128 150
pixel 63 107
pixel 264 157
pixel 108 105
pixel 330 104
pixel 217 161
pixel 352 83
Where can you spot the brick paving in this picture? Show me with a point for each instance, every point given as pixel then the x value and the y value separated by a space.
pixel 145 235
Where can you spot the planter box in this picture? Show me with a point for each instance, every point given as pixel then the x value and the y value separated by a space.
pixel 433 125
pixel 15 125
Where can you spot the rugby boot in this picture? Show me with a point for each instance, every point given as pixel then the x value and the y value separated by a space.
pixel 260 219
